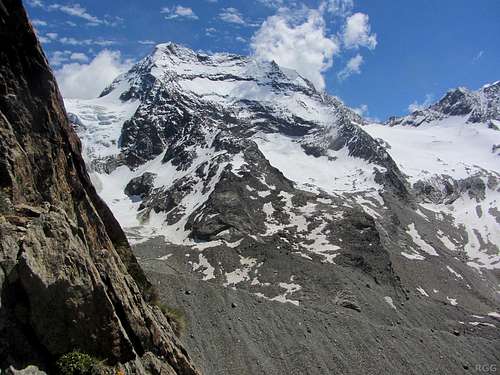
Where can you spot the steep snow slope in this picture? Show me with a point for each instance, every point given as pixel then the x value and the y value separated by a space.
pixel 450 146
pixel 170 113
pixel 335 172
pixel 452 159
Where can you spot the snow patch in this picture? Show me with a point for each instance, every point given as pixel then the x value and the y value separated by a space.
pixel 206 268
pixel 457 275
pixel 240 274
pixel 390 302
pixel 413 256
pixel 415 236
pixel 422 291
pixel 339 172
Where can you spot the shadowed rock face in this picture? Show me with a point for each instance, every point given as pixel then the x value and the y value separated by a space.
pixel 68 279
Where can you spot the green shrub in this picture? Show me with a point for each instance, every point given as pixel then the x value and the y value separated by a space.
pixel 175 317
pixel 76 363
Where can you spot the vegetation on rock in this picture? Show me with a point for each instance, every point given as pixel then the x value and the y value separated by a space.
pixel 77 363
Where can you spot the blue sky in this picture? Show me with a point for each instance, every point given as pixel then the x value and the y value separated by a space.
pixel 382 57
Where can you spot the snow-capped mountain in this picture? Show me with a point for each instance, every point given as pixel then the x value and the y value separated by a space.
pixel 177 111
pixel 450 153
pixel 239 172
pixel 481 106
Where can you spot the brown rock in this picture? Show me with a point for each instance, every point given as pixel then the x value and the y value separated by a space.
pixel 69 279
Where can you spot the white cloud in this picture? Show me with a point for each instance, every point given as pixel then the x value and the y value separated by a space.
pixel 353 66
pixel 38 23
pixel 357 32
pixel 51 36
pixel 112 20
pixel 272 3
pixel 147 42
pixel 415 106
pixel 78 80
pixel 86 42
pixel 58 57
pixel 35 3
pixel 210 31
pixel 340 8
pixel 362 110
pixel 79 56
pixel 76 10
pixel 43 39
pixel 241 39
pixel 178 12
pixel 232 15
pixel 478 57
pixel 300 45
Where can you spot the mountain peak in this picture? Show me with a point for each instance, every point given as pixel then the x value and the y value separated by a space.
pixel 172 49
pixel 456 102
pixel 492 85
pixel 223 79
pixel 480 106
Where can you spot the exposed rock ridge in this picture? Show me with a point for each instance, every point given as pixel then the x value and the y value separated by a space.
pixel 68 278
pixel 481 106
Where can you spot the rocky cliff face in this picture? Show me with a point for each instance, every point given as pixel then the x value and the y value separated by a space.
pixel 68 278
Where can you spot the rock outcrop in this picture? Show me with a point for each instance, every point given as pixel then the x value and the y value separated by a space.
pixel 68 278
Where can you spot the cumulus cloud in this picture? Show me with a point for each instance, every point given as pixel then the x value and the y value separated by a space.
pixel 415 106
pixel 302 46
pixel 80 80
pixel 232 15
pixel 357 32
pixel 353 66
pixel 178 12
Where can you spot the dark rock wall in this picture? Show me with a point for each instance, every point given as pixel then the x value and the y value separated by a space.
pixel 68 279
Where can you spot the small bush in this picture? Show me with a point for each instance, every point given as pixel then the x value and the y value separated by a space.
pixel 76 363
pixel 174 316
pixel 176 319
